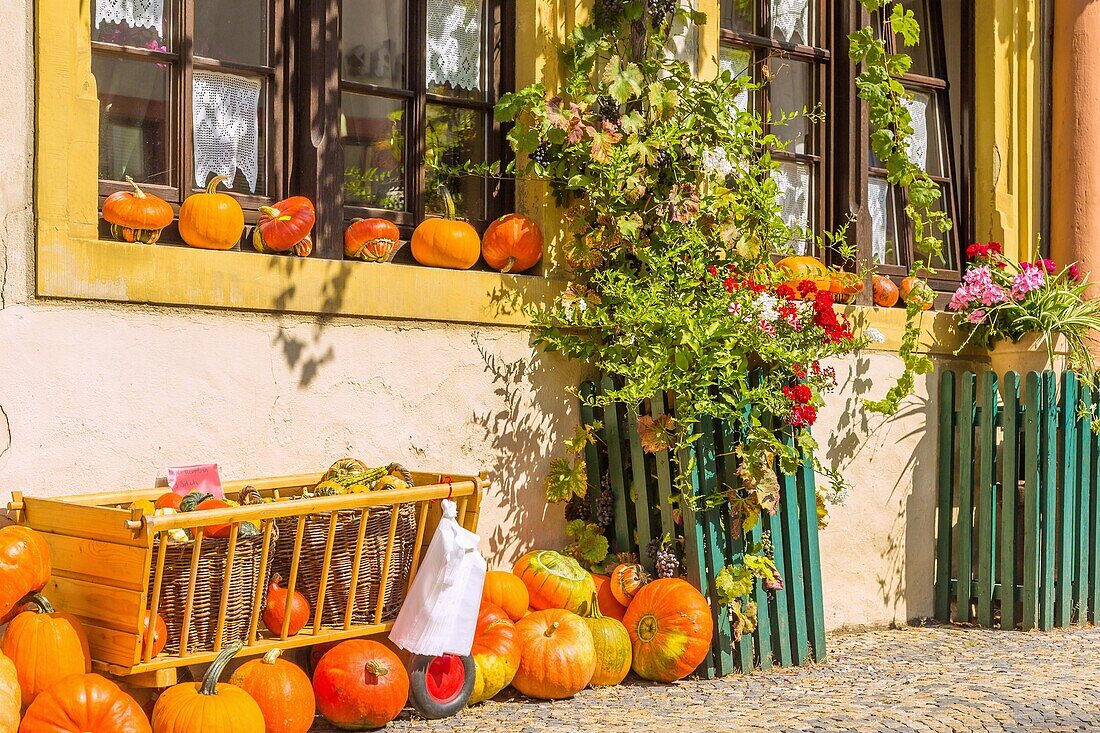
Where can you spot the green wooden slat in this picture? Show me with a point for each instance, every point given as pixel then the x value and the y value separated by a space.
pixel 715 545
pixel 1067 513
pixel 1094 528
pixel 641 501
pixel 944 503
pixel 985 506
pixel 1032 411
pixel 965 527
pixel 623 541
pixel 664 475
pixel 1010 390
pixel 744 654
pixel 778 602
pixel 765 650
pixel 591 451
pixel 1048 489
pixel 1084 503
pixel 789 520
pixel 811 561
pixel 695 554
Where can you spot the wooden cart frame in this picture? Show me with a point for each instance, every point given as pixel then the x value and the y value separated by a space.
pixel 103 556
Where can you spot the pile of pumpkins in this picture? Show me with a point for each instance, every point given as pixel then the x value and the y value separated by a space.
pixel 845 286
pixel 215 220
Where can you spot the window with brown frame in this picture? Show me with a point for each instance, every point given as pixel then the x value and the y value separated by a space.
pixel 828 171
pixel 368 107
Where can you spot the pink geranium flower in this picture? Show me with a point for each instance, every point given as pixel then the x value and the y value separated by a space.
pixel 1029 279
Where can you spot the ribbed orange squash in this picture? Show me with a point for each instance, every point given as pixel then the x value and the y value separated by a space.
pixel 612 645
pixel 136 216
pixel 84 703
pixel 211 220
pixel 10 702
pixel 507 591
pixel 670 629
pixel 496 653
pixel 512 243
pixel 208 706
pixel 554 580
pixel 446 242
pixel 46 646
pixel 557 655
pixel 281 689
pixel 626 580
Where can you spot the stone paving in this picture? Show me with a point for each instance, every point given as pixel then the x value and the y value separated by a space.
pixel 919 679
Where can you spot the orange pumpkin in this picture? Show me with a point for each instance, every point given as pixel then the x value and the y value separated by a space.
pixel 211 220
pixel 275 610
pixel 446 242
pixel 84 703
pixel 371 240
pixel 506 591
pixel 554 580
pixel 196 502
pixel 557 655
pixel 169 500
pixel 136 216
pixel 24 566
pixel 884 290
pixel 609 605
pixel 799 268
pixel 495 652
pixel 10 702
pixel 845 286
pixel 160 634
pixel 281 689
pixel 208 705
pixel 916 289
pixel 626 580
pixel 612 646
pixel 46 646
pixel 512 243
pixel 285 226
pixel 360 685
pixel 670 629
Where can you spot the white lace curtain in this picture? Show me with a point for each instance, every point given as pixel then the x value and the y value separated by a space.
pixel 737 62
pixel 793 181
pixel 878 197
pixel 791 20
pixel 454 43
pixel 918 144
pixel 134 13
pixel 226 120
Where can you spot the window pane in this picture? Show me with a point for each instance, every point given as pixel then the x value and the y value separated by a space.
pixel 792 21
pixel 129 23
pixel 950 259
pixel 739 15
pixel 927 147
pixel 134 109
pixel 233 30
pixel 372 36
pixel 454 137
pixel 454 53
pixel 883 208
pixel 922 53
pixel 372 133
pixel 796 197
pixel 229 137
pixel 791 91
pixel 738 62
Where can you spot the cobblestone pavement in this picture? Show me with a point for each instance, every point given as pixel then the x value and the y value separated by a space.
pixel 924 679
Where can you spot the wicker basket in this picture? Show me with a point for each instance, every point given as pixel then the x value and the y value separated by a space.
pixel 209 581
pixel 314 540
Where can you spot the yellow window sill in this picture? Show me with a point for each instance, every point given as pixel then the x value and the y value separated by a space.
pixel 938 333
pixel 116 271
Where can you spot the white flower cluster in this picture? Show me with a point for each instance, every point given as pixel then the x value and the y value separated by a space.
pixel 717 162
pixel 767 304
pixel 874 335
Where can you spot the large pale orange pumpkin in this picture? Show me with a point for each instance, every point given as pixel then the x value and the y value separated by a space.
pixel 557 655
pixel 496 653
pixel 801 268
pixel 609 606
pixel 612 646
pixel 211 220
pixel 281 689
pixel 46 646
pixel 670 629
pixel 507 591
pixel 24 566
pixel 512 243
pixel 84 703
pixel 10 702
pixel 554 580
pixel 209 705
pixel 446 242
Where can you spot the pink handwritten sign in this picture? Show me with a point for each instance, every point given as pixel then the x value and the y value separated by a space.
pixel 204 478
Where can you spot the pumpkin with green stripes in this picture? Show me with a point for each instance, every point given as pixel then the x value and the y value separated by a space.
pixel 554 580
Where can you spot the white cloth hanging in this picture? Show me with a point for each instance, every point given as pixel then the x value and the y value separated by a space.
pixel 737 62
pixel 226 122
pixel 878 192
pixel 791 18
pixel 440 611
pixel 134 13
pixel 454 43
pixel 793 181
pixel 917 149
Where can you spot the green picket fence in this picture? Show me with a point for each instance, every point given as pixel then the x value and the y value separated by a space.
pixel 791 628
pixel 1018 527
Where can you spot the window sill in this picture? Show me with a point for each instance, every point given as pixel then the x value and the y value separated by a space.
pixel 86 269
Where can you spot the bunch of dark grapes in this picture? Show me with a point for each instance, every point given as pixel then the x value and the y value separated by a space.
pixel 541 154
pixel 668 566
pixel 663 158
pixel 608 109
pixel 578 508
pixel 605 508
pixel 652 548
pixel 659 10
pixel 609 13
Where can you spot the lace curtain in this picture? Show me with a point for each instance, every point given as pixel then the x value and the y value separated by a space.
pixel 878 192
pixel 794 197
pixel 454 43
pixel 226 120
pixel 918 144
pixel 134 13
pixel 791 20
pixel 737 62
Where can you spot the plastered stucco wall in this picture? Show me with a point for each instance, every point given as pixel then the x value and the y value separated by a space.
pixel 102 396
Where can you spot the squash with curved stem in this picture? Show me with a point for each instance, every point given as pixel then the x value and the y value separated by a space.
pixel 208 705
pixel 512 243
pixel 495 651
pixel 554 580
pixel 557 655
pixel 285 226
pixel 612 645
pixel 10 701
pixel 211 220
pixel 609 605
pixel 506 591
pixel 670 629
pixel 46 646
pixel 24 566
pixel 446 242
pixel 281 689
pixel 136 216
pixel 372 240
pixel 84 703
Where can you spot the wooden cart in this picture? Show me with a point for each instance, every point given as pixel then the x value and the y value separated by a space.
pixel 111 567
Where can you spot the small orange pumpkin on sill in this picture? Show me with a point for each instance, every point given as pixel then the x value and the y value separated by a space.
pixel 918 291
pixel 446 242
pixel 136 216
pixel 285 226
pixel 884 290
pixel 372 240
pixel 512 243
pixel 211 220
